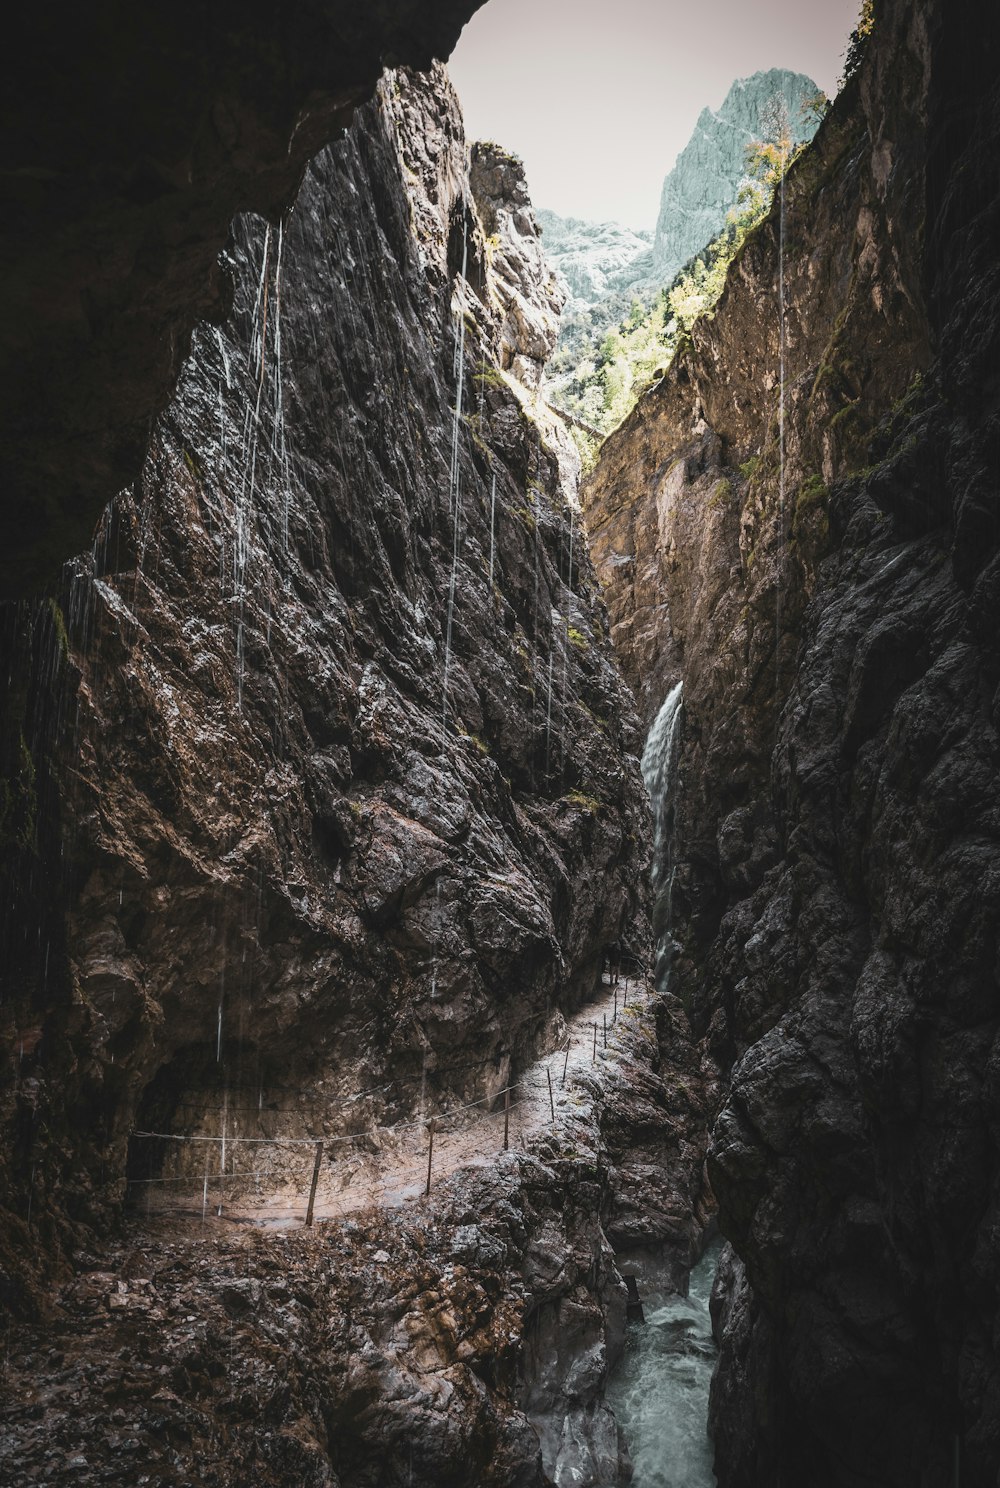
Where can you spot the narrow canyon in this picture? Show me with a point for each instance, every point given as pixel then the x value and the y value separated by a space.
pixel 458 900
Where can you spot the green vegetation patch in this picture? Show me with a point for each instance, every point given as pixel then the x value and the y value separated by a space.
pixel 59 626
pixel 585 802
pixel 810 522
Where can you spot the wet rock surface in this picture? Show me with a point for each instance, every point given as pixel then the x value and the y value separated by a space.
pixel 834 827
pixel 323 799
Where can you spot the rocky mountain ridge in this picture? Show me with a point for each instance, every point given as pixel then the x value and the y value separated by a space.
pixel 600 259
pixel 704 181
pixel 609 270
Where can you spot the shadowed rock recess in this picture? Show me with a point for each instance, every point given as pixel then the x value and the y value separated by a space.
pixel 834 617
pixel 132 136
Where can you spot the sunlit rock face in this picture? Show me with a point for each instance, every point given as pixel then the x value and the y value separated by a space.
pixel 833 615
pixel 594 258
pixel 323 778
pixel 130 143
pixel 705 179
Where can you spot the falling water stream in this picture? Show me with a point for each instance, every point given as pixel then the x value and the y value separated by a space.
pixel 659 1390
pixel 455 474
pixel 657 774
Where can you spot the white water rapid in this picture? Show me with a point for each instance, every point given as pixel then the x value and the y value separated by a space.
pixel 659 1390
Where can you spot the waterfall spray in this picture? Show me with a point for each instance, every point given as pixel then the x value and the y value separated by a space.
pixel 659 765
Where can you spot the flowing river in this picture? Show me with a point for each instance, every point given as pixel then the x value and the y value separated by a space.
pixel 659 1390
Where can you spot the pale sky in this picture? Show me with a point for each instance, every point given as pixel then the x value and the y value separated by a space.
pixel 598 96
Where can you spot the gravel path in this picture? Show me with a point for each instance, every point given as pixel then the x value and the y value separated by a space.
pixel 352 1181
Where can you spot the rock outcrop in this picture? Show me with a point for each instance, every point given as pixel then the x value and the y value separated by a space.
pixel 321 793
pixel 595 258
pixel 705 179
pixel 131 142
pixel 820 568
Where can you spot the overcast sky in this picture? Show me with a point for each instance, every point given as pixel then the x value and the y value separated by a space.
pixel 598 96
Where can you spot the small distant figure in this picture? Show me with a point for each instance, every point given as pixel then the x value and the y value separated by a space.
pixel 614 964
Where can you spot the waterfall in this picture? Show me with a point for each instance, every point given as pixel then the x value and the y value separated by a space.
pixel 657 769
pixel 658 766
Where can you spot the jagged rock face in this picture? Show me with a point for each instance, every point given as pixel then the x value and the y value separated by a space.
pixel 594 258
pixel 836 855
pixel 526 292
pixel 131 143
pixel 348 795
pixel 704 182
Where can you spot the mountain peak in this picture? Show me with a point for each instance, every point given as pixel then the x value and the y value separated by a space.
pixel 706 177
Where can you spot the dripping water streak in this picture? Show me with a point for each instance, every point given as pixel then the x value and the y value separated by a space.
pixel 781 427
pixel 565 658
pixel 454 502
pixel 493 513
pixel 548 704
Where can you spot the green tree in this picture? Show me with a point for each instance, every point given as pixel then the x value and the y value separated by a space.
pixel 858 40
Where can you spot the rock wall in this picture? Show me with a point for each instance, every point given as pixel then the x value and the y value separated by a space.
pixel 321 795
pixel 820 570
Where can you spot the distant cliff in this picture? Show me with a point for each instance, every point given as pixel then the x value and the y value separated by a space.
pixel 705 180
pixel 594 258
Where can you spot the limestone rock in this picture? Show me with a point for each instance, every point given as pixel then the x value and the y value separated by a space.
pixel 594 258
pixel 705 179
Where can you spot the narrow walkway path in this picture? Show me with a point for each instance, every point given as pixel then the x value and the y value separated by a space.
pixel 352 1180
